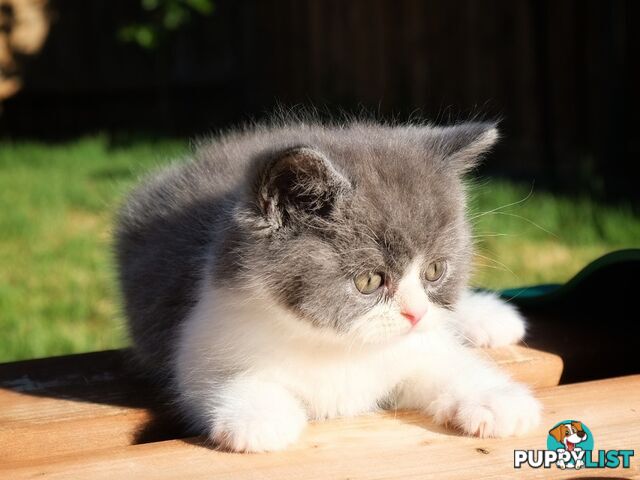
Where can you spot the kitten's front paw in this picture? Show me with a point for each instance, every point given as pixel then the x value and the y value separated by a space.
pixel 503 412
pixel 250 433
pixel 487 321
pixel 263 422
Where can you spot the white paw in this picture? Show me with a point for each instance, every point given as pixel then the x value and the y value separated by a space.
pixel 502 412
pixel 251 433
pixel 266 420
pixel 487 321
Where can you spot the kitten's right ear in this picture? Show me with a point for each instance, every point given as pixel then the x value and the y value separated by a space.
pixel 296 183
pixel 462 146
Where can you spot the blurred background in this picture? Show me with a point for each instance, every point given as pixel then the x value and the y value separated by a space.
pixel 94 93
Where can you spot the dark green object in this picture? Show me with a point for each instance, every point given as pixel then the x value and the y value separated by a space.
pixel 539 295
pixel 591 321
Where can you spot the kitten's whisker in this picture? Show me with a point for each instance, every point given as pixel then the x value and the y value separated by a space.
pixel 484 265
pixel 474 344
pixel 496 262
pixel 483 235
pixel 526 220
pixel 515 295
pixel 473 217
pixel 465 337
pixel 373 233
pixel 515 275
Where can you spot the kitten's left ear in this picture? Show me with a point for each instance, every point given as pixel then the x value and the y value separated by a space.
pixel 297 182
pixel 462 146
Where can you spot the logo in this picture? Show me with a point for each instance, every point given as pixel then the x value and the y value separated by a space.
pixel 570 444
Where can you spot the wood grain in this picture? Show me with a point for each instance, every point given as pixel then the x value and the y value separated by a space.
pixel 401 445
pixel 81 406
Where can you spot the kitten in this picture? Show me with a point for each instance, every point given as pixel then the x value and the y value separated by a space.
pixel 301 271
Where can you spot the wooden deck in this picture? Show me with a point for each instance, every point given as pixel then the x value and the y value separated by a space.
pixel 84 417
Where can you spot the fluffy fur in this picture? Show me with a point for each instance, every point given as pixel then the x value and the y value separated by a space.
pixel 237 270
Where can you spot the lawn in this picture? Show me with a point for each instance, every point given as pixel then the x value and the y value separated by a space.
pixel 57 289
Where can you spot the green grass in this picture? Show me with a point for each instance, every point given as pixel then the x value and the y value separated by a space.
pixel 57 289
pixel 527 236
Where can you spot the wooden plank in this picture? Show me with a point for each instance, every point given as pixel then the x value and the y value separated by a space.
pixel 88 402
pixel 527 365
pixel 401 445
pixel 74 403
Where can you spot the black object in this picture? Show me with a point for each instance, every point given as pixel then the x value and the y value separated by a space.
pixel 591 320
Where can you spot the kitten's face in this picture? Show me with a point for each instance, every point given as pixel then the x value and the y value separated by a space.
pixel 365 237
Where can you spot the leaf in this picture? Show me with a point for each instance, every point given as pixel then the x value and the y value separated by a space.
pixel 146 36
pixel 175 16
pixel 204 7
pixel 150 4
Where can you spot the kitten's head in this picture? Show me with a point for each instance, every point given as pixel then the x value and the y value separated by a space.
pixel 360 229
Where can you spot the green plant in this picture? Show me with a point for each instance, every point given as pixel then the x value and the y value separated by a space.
pixel 162 18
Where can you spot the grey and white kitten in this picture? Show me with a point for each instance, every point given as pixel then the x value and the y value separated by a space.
pixel 300 271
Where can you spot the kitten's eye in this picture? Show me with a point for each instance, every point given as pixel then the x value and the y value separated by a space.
pixel 435 270
pixel 368 282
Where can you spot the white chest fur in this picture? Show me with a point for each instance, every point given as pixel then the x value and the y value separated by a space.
pixel 223 338
pixel 334 383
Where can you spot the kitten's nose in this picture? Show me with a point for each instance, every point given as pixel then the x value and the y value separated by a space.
pixel 415 314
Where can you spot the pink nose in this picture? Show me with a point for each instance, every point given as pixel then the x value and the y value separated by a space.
pixel 414 315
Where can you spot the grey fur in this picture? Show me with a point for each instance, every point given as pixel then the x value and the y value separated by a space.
pixel 298 208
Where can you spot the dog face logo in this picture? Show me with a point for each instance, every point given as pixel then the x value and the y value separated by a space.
pixel 570 439
pixel 569 434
